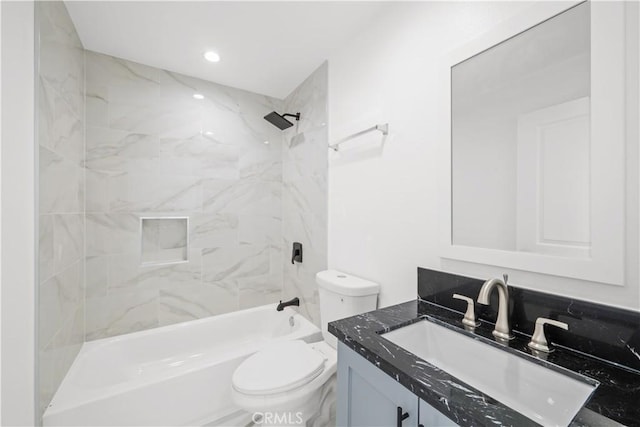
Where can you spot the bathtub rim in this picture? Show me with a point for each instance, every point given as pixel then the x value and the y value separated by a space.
pixel 310 333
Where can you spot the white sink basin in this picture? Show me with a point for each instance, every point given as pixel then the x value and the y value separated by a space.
pixel 541 394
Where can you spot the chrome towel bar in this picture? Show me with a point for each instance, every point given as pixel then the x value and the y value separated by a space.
pixel 384 128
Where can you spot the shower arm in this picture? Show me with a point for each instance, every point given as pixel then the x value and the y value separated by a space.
pixel 297 115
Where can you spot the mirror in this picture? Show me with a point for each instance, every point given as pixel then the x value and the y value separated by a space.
pixel 534 175
pixel 520 141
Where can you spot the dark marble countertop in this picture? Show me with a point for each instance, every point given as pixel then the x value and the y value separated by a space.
pixel 615 401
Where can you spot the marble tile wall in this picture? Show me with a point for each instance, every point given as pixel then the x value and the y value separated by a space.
pixel 60 135
pixel 152 150
pixel 304 190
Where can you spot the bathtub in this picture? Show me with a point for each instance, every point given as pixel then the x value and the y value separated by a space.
pixel 174 375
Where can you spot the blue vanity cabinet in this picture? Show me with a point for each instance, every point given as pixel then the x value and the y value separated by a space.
pixel 367 397
pixel 431 417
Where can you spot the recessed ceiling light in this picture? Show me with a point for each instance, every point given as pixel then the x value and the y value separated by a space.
pixel 266 142
pixel 208 133
pixel 211 56
pixel 198 96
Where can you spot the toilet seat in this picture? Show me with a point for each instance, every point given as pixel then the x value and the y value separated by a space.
pixel 278 369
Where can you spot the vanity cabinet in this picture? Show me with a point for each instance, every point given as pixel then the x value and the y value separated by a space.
pixel 431 417
pixel 368 397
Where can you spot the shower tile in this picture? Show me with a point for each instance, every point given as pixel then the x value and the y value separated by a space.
pixel 96 109
pixel 126 273
pixel 97 193
pixel 308 156
pixel 262 161
pixel 60 113
pixel 45 247
pixel 277 255
pixel 179 303
pixel 97 276
pixel 60 127
pixel 68 240
pixel 66 134
pixel 213 230
pixel 56 26
pixel 138 92
pixel 294 199
pixel 210 164
pixel 146 119
pixel 217 160
pixel 226 196
pixel 230 128
pixel 261 290
pixel 304 195
pixel 178 87
pixel 49 316
pixel 115 72
pixel 180 124
pixel 47 98
pixel 61 65
pixel 112 233
pixel 230 263
pixel 310 99
pixel 244 196
pixel 59 183
pixel 66 344
pixel 46 387
pixel 297 227
pixel 153 193
pixel 121 313
pixel 111 150
pixel 58 299
pixel 199 155
pixel 178 194
pixel 262 230
pixel 265 199
pixel 132 192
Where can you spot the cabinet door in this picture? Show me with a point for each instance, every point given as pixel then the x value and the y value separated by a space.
pixel 431 417
pixel 368 397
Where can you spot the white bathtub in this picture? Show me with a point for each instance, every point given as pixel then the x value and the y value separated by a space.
pixel 171 376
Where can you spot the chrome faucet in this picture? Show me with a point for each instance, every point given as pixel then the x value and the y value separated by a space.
pixel 502 329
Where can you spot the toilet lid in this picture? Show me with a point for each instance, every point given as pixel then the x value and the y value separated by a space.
pixel 278 368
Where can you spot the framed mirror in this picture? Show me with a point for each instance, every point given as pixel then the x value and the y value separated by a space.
pixel 534 168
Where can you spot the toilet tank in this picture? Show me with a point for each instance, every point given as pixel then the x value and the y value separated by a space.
pixel 343 295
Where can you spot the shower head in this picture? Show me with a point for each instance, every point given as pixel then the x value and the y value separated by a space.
pixel 279 121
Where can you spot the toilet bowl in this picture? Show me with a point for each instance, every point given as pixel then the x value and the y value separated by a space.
pixel 283 384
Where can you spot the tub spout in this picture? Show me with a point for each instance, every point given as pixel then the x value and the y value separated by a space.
pixel 282 305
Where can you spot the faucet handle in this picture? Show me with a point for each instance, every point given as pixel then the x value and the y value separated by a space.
pixel 470 315
pixel 539 340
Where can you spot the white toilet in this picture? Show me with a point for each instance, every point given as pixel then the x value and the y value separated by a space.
pixel 283 383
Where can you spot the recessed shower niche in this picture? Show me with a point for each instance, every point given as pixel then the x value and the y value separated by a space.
pixel 164 240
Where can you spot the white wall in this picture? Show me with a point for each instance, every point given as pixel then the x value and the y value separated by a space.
pixel 383 200
pixel 0 216
pixel 18 214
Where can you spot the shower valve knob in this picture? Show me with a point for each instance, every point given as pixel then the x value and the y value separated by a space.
pixel 296 254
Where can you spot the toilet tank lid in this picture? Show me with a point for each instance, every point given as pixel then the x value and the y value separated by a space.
pixel 346 284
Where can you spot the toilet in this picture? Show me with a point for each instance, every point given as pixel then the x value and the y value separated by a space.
pixel 282 384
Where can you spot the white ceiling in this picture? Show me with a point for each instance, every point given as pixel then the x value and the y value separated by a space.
pixel 266 47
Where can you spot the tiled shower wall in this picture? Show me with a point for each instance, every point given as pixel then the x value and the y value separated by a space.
pixel 304 198
pixel 152 150
pixel 60 119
